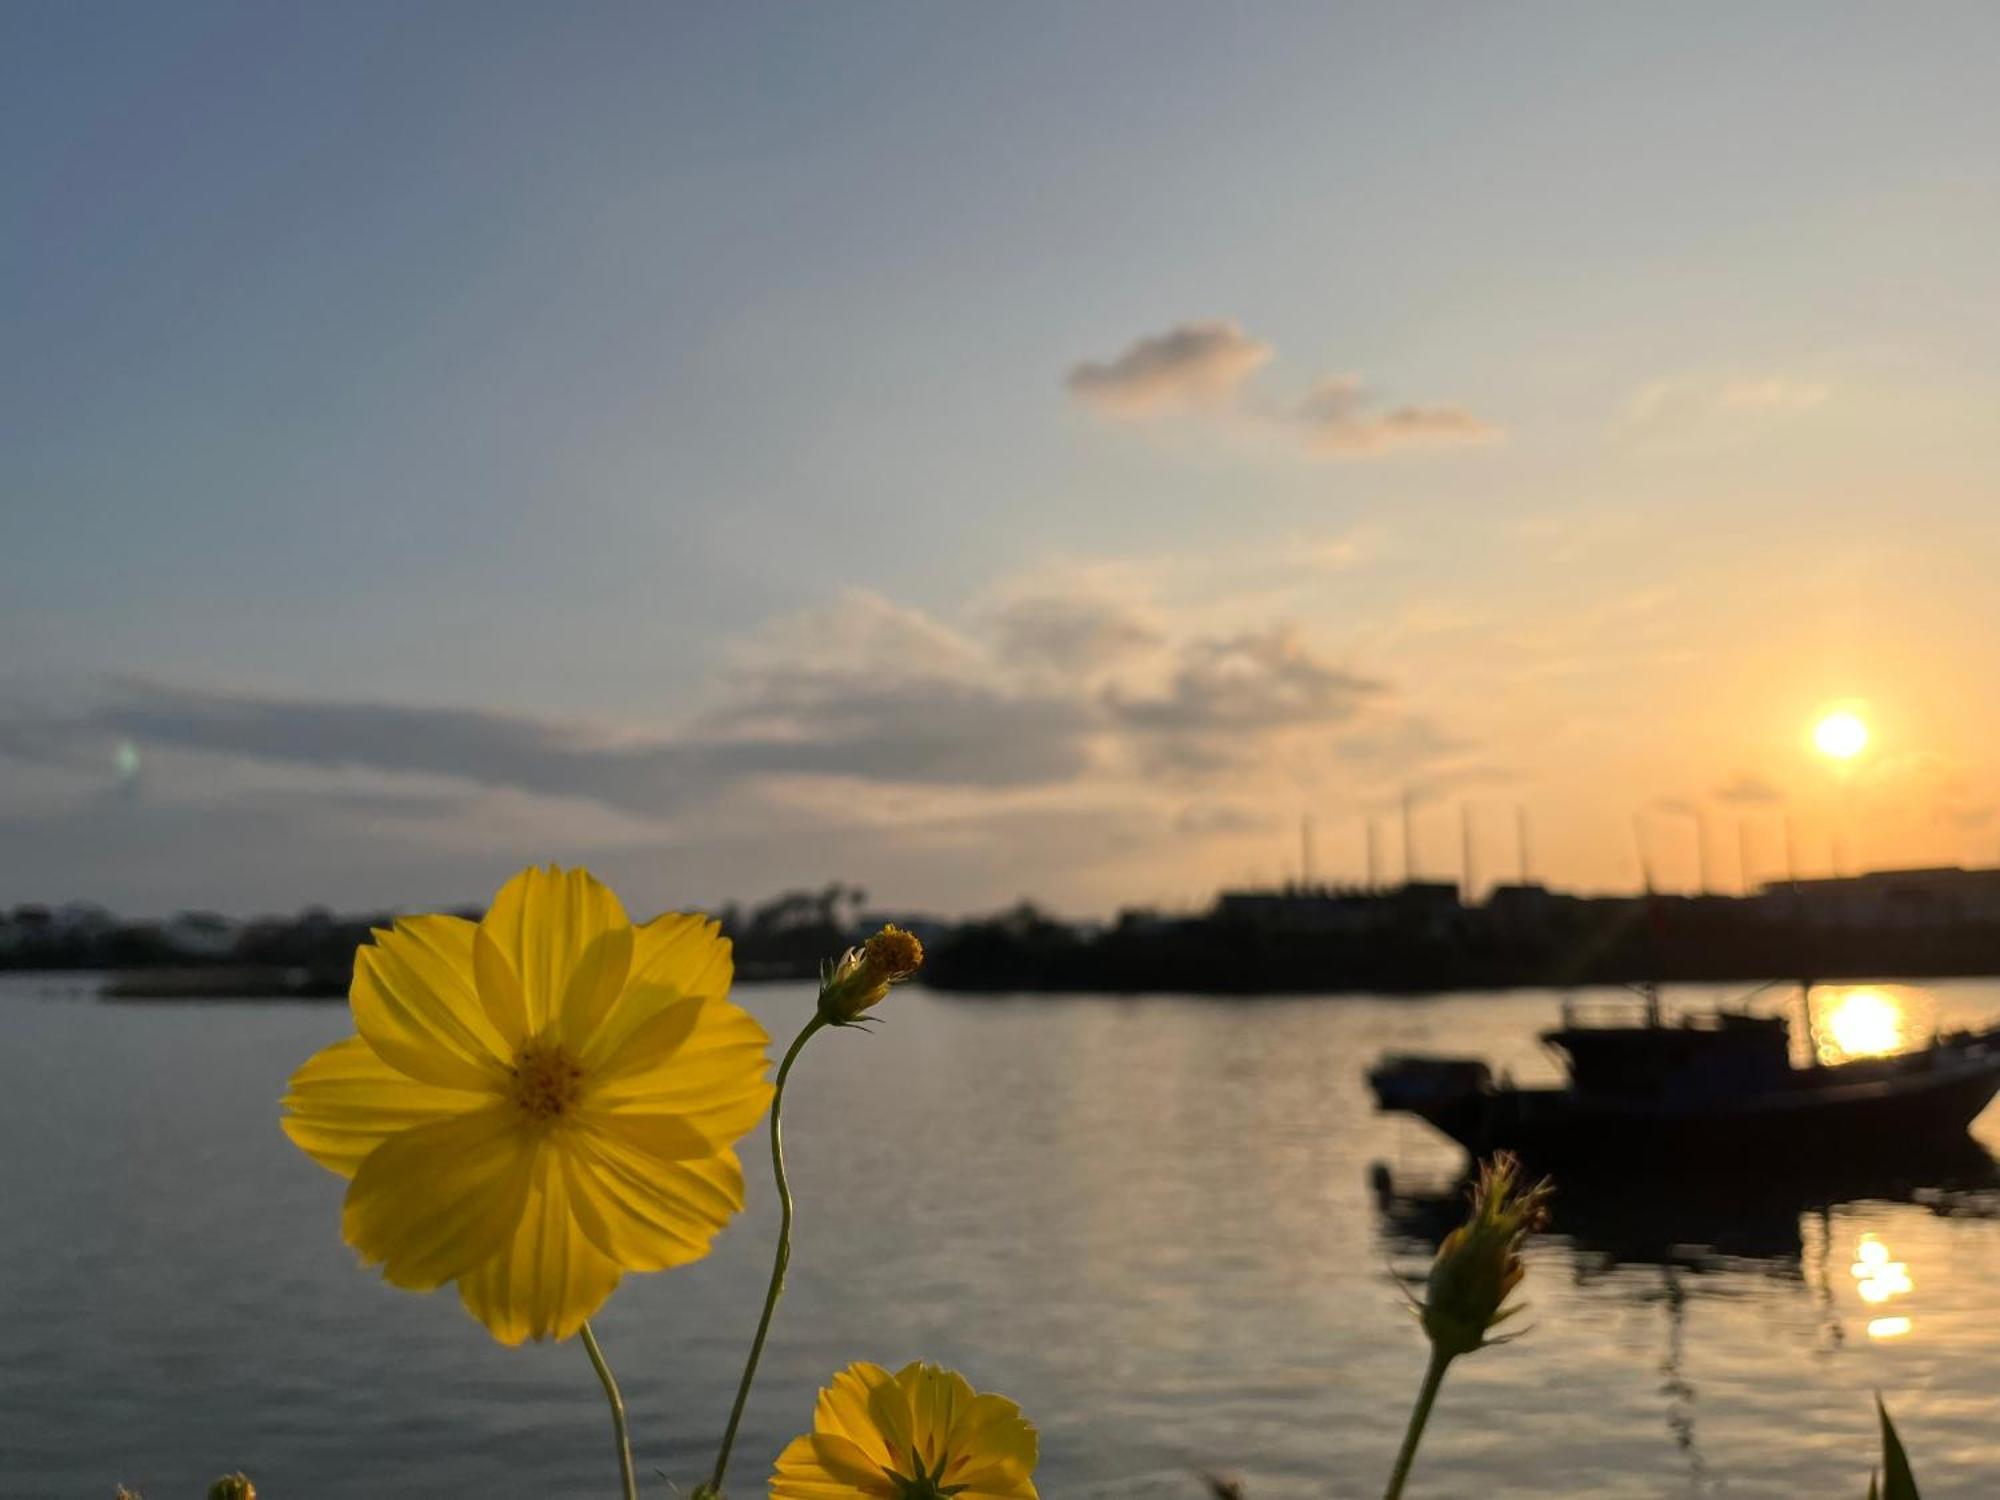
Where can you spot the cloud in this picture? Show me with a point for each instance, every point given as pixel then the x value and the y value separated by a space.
pixel 858 693
pixel 1261 680
pixel 1686 408
pixel 1745 790
pixel 790 723
pixel 1190 365
pixel 1203 367
pixel 858 737
pixel 1235 702
pixel 1400 745
pixel 1072 633
pixel 1336 416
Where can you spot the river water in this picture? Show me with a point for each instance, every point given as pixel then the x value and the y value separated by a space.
pixel 1151 1221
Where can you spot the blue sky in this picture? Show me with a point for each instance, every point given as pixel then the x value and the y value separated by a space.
pixel 443 437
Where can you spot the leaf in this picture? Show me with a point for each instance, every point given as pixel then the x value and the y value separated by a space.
pixel 1897 1481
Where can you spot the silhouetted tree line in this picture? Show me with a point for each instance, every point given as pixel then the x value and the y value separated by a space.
pixel 1418 939
pixel 785 937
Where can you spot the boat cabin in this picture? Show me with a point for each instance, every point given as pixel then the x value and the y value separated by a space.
pixel 1720 1054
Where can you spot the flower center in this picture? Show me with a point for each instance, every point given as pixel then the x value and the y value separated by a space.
pixel 547 1081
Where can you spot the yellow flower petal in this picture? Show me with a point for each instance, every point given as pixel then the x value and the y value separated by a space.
pixel 645 1212
pixel 638 1048
pixel 499 991
pixel 673 958
pixel 544 923
pixel 843 1409
pixel 683 952
pixel 703 1061
pixel 434 1201
pixel 846 1462
pixel 994 1449
pixel 889 1410
pixel 935 1399
pixel 345 1101
pixel 802 1474
pixel 549 1277
pixel 414 999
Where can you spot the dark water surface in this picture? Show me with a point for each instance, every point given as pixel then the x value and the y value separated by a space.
pixel 1148 1220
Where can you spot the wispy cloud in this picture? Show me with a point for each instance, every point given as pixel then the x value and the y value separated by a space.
pixel 1205 367
pixel 1691 408
pixel 1338 416
pixel 1199 364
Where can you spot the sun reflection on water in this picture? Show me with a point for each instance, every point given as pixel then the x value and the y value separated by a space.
pixel 1862 1021
pixel 1880 1280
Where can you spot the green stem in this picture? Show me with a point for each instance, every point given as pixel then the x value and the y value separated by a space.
pixel 618 1428
pixel 713 1488
pixel 1426 1398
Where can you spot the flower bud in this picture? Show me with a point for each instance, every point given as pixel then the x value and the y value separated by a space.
pixel 1479 1263
pixel 863 975
pixel 233 1487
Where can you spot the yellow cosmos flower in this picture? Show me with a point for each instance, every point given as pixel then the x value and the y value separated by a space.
pixel 920 1434
pixel 537 1102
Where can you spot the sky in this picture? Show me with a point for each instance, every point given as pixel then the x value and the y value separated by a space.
pixel 981 453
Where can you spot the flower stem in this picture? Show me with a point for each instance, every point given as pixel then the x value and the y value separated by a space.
pixel 618 1428
pixel 1426 1398
pixel 712 1490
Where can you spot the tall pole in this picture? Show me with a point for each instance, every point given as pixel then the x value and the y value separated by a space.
pixel 1639 843
pixel 1701 850
pixel 1468 872
pixel 1409 837
pixel 1374 856
pixel 1306 851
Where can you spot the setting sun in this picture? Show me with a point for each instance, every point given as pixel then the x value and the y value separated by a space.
pixel 1840 735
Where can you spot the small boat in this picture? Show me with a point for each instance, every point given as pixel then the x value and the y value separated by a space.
pixel 1700 1091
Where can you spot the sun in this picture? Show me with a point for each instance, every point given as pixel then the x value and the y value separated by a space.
pixel 1840 735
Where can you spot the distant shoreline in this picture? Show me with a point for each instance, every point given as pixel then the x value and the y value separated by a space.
pixel 250 982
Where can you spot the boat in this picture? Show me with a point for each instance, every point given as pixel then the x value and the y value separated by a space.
pixel 1703 1090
